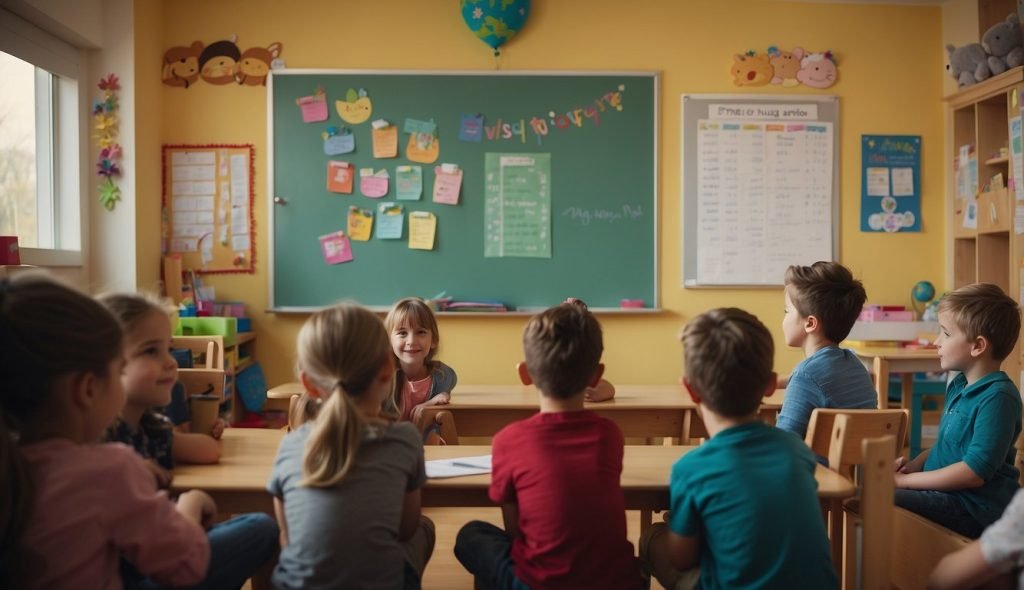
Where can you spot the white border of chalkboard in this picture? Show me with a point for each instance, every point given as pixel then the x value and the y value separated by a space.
pixel 271 308
pixel 688 174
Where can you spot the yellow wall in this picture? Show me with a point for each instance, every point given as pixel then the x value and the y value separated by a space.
pixel 890 82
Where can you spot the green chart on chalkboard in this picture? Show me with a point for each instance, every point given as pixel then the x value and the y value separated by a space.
pixel 581 220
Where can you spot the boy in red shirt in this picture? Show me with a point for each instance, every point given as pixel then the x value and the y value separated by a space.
pixel 556 475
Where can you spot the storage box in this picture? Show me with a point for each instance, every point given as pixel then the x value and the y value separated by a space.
pixel 881 315
pixel 209 326
pixel 244 324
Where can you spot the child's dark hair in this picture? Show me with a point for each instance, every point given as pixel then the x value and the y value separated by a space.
pixel 827 291
pixel 728 354
pixel 130 308
pixel 563 347
pixel 47 331
pixel 983 309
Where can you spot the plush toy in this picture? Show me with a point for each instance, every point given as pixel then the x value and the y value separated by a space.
pixel 1002 42
pixel 968 64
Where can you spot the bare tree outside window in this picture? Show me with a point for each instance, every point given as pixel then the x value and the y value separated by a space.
pixel 18 200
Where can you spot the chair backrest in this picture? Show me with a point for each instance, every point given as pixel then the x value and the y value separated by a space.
pixel 837 434
pixel 874 539
pixel 211 348
pixel 446 431
pixel 922 545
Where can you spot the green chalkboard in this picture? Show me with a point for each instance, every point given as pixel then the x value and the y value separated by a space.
pixel 603 187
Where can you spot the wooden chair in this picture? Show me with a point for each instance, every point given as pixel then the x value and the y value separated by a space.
pixel 209 348
pixel 837 435
pixel 446 432
pixel 922 544
pixel 873 537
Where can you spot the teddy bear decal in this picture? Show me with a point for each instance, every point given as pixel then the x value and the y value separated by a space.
pixel 785 68
pixel 220 63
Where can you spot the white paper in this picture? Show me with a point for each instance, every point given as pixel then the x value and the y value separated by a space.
pixel 184 203
pixel 1018 218
pixel 239 179
pixel 204 217
pixel 180 173
pixel 204 203
pixel 184 245
pixel 192 231
pixel 971 215
pixel 878 182
pixel 442 468
pixel 764 200
pixel 902 182
pixel 1017 158
pixel 239 220
pixel 240 242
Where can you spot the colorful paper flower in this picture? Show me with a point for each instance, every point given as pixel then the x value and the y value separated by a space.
pixel 104 122
pixel 109 83
pixel 110 194
pixel 111 153
pixel 107 168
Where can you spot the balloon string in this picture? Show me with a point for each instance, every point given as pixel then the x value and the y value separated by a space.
pixel 497 59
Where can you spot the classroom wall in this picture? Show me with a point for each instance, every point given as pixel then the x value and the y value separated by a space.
pixel 890 82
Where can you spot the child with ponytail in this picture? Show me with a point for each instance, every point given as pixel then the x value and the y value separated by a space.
pixel 346 484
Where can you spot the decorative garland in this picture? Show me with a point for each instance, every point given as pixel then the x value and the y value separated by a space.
pixel 104 113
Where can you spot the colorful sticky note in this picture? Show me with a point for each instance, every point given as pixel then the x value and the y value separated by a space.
pixel 422 228
pixel 338 141
pixel 447 184
pixel 313 107
pixel 409 182
pixel 336 248
pixel 339 177
pixel 389 221
pixel 472 128
pixel 373 184
pixel 417 126
pixel 423 148
pixel 385 141
pixel 360 223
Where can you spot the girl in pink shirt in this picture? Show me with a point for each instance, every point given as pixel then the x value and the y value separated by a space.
pixel 71 509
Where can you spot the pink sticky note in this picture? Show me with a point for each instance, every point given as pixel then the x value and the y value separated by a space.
pixel 313 107
pixel 447 186
pixel 336 248
pixel 374 187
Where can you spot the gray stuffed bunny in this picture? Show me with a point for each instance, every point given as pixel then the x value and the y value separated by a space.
pixel 1003 44
pixel 968 63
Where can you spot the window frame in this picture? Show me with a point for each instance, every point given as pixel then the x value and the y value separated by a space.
pixel 60 162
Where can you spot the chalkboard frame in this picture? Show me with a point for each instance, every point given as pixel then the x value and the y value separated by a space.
pixel 652 306
pixel 694 107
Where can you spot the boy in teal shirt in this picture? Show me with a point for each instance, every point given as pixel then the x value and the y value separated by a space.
pixel 967 479
pixel 744 505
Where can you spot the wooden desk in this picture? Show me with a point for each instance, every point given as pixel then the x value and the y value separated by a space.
pixel 883 361
pixel 641 411
pixel 239 482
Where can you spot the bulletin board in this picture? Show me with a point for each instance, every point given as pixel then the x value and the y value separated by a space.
pixel 207 207
pixel 759 185
pixel 582 145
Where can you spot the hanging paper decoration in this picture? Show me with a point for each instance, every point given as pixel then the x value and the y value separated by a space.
pixel 108 164
pixel 356 108
pixel 785 68
pixel 495 21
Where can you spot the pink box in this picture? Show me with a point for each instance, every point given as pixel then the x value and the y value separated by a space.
pixel 9 254
pixel 878 315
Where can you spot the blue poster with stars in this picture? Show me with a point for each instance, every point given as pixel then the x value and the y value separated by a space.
pixel 890 183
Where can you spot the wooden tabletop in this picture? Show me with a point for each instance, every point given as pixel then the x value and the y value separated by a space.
pixel 897 353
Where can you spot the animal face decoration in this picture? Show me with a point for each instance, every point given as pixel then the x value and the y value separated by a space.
pixel 218 63
pixel 356 108
pixel 181 65
pixel 751 70
pixel 785 65
pixel 817 70
pixel 256 64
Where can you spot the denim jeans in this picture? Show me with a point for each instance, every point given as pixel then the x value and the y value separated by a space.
pixel 238 547
pixel 485 551
pixel 941 508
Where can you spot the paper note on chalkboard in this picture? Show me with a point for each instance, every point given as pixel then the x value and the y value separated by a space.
pixel 360 222
pixel 447 184
pixel 373 184
pixel 336 248
pixel 339 177
pixel 385 139
pixel 313 107
pixel 472 128
pixel 409 182
pixel 389 221
pixel 417 126
pixel 338 141
pixel 517 210
pixel 422 228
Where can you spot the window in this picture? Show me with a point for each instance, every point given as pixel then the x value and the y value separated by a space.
pixel 40 157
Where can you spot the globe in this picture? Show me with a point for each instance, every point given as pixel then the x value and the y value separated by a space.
pixel 923 292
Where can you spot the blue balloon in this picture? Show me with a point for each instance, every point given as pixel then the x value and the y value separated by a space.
pixel 495 21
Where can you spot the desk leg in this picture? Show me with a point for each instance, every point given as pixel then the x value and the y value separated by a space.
pixel 835 510
pixel 646 520
pixel 881 371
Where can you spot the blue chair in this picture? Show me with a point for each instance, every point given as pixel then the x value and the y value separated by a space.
pixel 925 396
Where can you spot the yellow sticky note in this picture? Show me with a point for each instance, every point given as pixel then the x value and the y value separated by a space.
pixel 385 142
pixel 360 223
pixel 422 228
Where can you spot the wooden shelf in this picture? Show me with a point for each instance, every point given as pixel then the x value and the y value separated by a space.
pixel 999 160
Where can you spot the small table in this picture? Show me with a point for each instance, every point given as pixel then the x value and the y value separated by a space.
pixel 883 361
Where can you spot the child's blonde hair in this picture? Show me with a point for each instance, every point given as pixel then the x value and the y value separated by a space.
pixel 342 349
pixel 131 308
pixel 983 309
pixel 47 331
pixel 415 313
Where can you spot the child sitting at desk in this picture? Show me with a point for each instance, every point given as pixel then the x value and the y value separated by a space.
pixel 822 303
pixel 420 381
pixel 604 390
pixel 556 475
pixel 965 481
pixel 346 485
pixel 239 546
pixel 71 509
pixel 744 505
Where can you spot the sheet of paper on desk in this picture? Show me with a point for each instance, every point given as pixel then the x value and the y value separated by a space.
pixel 441 468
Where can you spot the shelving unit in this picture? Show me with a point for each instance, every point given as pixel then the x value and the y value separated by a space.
pixel 229 360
